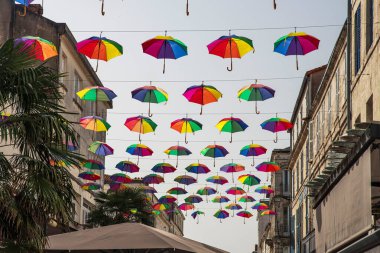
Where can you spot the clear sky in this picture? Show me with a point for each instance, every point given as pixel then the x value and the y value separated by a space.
pixel 274 70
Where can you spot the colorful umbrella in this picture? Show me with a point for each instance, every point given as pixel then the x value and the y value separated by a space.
pixel 156 212
pixel 197 168
pixel 127 166
pixel 256 92
pixel 231 168
pixel 220 200
pixel 231 125
pixel 196 215
pixel 202 94
pixel 91 187
pixel 249 179
pixel 100 148
pixel 268 167
pixel 206 191
pixel 39 48
pixel 234 206
pixel 177 191
pixel 231 46
pixel 186 125
pixel 246 199
pixel 235 190
pixel 217 180
pixel 253 150
pixel 139 150
pixel 297 43
pixel 99 48
pixel 94 123
pixel 167 199
pixel 260 206
pixel 186 207
pixel 165 47
pixel 150 94
pixel 148 189
pixel 93 165
pixel 4 116
pixel 214 151
pixel 186 180
pixel 177 151
pixel 117 187
pixel 153 179
pixel 276 125
pixel 163 168
pixel 244 214
pixel 70 146
pixel 96 93
pixel 268 212
pixel 89 175
pixel 194 199
pixel 141 125
pixel 121 178
pixel 264 189
pixel 221 214
pixel 26 3
pixel 161 206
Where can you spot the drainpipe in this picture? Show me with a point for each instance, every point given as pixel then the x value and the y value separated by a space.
pixel 348 64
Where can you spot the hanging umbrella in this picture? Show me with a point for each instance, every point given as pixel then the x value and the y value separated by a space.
pixel 150 94
pixel 148 189
pixel 218 180
pixel 141 125
pixel 246 199
pixel 156 212
pixel 102 11
pixel 118 187
pixel 196 215
pixel 197 168
pixel 268 167
pixel 121 178
pixel 39 48
pixel 202 94
pixel 177 151
pixel 231 168
pixel 260 206
pixel 167 199
pixel 268 212
pixel 221 214
pixel 244 214
pixel 297 43
pixel 194 199
pixel 276 125
pixel 264 189
pixel 206 191
pixel 214 151
pixel 177 191
pixel 163 168
pixel 186 207
pixel 153 179
pixel 231 46
pixel 186 180
pixel 127 166
pixel 91 187
pixel 99 48
pixel 253 150
pixel 60 163
pixel 220 200
pixel 256 92
pixel 231 125
pixel 70 146
pixel 249 179
pixel 94 123
pixel 93 165
pixel 161 206
pixel 165 47
pixel 96 93
pixel 186 125
pixel 235 190
pixel 233 207
pixel 139 150
pixel 89 175
pixel 26 3
pixel 100 148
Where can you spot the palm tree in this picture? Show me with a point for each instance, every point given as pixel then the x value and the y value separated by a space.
pixel 33 188
pixel 115 207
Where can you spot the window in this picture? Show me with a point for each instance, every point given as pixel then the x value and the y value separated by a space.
pixel 323 121
pixel 285 212
pixel 293 190
pixel 63 67
pixel 369 24
pixel 85 213
pixel 357 39
pixel 318 131
pixel 285 181
pixel 311 138
pixel 329 111
pixel 77 87
pixel 301 167
pixel 298 175
pixel 369 109
pixel 337 94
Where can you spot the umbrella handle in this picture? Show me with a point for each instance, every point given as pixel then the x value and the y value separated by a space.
pixel 274 4
pixel 149 114
pixel 163 71
pixel 176 165
pixel 253 161
pixel 257 111
pixel 22 14
pixel 187 8
pixel 186 138
pixel 230 68
pixel 140 138
pixel 233 180
pixel 231 137
pixel 276 139
pixel 201 110
pixel 297 62
pixel 103 12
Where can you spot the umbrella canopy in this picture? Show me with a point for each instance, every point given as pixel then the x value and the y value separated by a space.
pixel 231 125
pixel 163 168
pixel 161 206
pixel 214 151
pixel 268 167
pixel 153 179
pixel 91 186
pixel 244 214
pixel 297 43
pixel 186 206
pixel 249 179
pixel 93 165
pixel 150 94
pixel 235 190
pixel 100 148
pixel 94 123
pixel 256 92
pixel 231 46
pixel 234 206
pixel 264 189
pixel 99 48
pixel 127 166
pixel 121 178
pixel 246 199
pixel 24 2
pixel 96 93
pixel 167 199
pixel 253 150
pixel 202 95
pixel 206 191
pixel 165 47
pixel 186 125
pixel 196 215
pixel 118 186
pixel 276 125
pixel 260 206
pixel 39 48
pixel 139 150
pixel 177 191
pixel 231 168
pixel 89 175
pixel 141 125
pixel 197 168
pixel 217 180
pixel 193 199
pixel 221 214
pixel 268 212
pixel 220 199
pixel 185 179
pixel 177 151
pixel 4 116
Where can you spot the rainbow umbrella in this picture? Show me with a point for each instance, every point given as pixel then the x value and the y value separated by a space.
pixel 177 191
pixel 93 165
pixel 264 189
pixel 196 215
pixel 244 214
pixel 148 189
pixel 260 206
pixel 121 178
pixel 202 94
pixel 214 151
pixel 186 125
pixel 70 146
pixel 218 180
pixel 26 3
pixel 256 92
pixel 4 116
pixel 246 199
pixel 156 212
pixel 165 47
pixel 163 168
pixel 297 43
pixel 186 206
pixel 127 166
pixel 139 150
pixel 231 46
pixel 161 206
pixel 249 179
pixel 186 180
pixel 221 214
pixel 197 168
pixel 94 123
pixel 194 199
pixel 276 125
pixel 60 163
pixel 141 125
pixel 268 167
pixel 231 125
pixel 100 148
pixel 91 187
pixel 150 94
pixel 253 150
pixel 39 48
pixel 231 168
pixel 177 151
pixel 118 187
pixel 167 199
pixel 206 191
pixel 233 207
pixel 220 200
pixel 96 93
pixel 89 175
pixel 235 190
pixel 268 212
pixel 99 48
pixel 153 179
